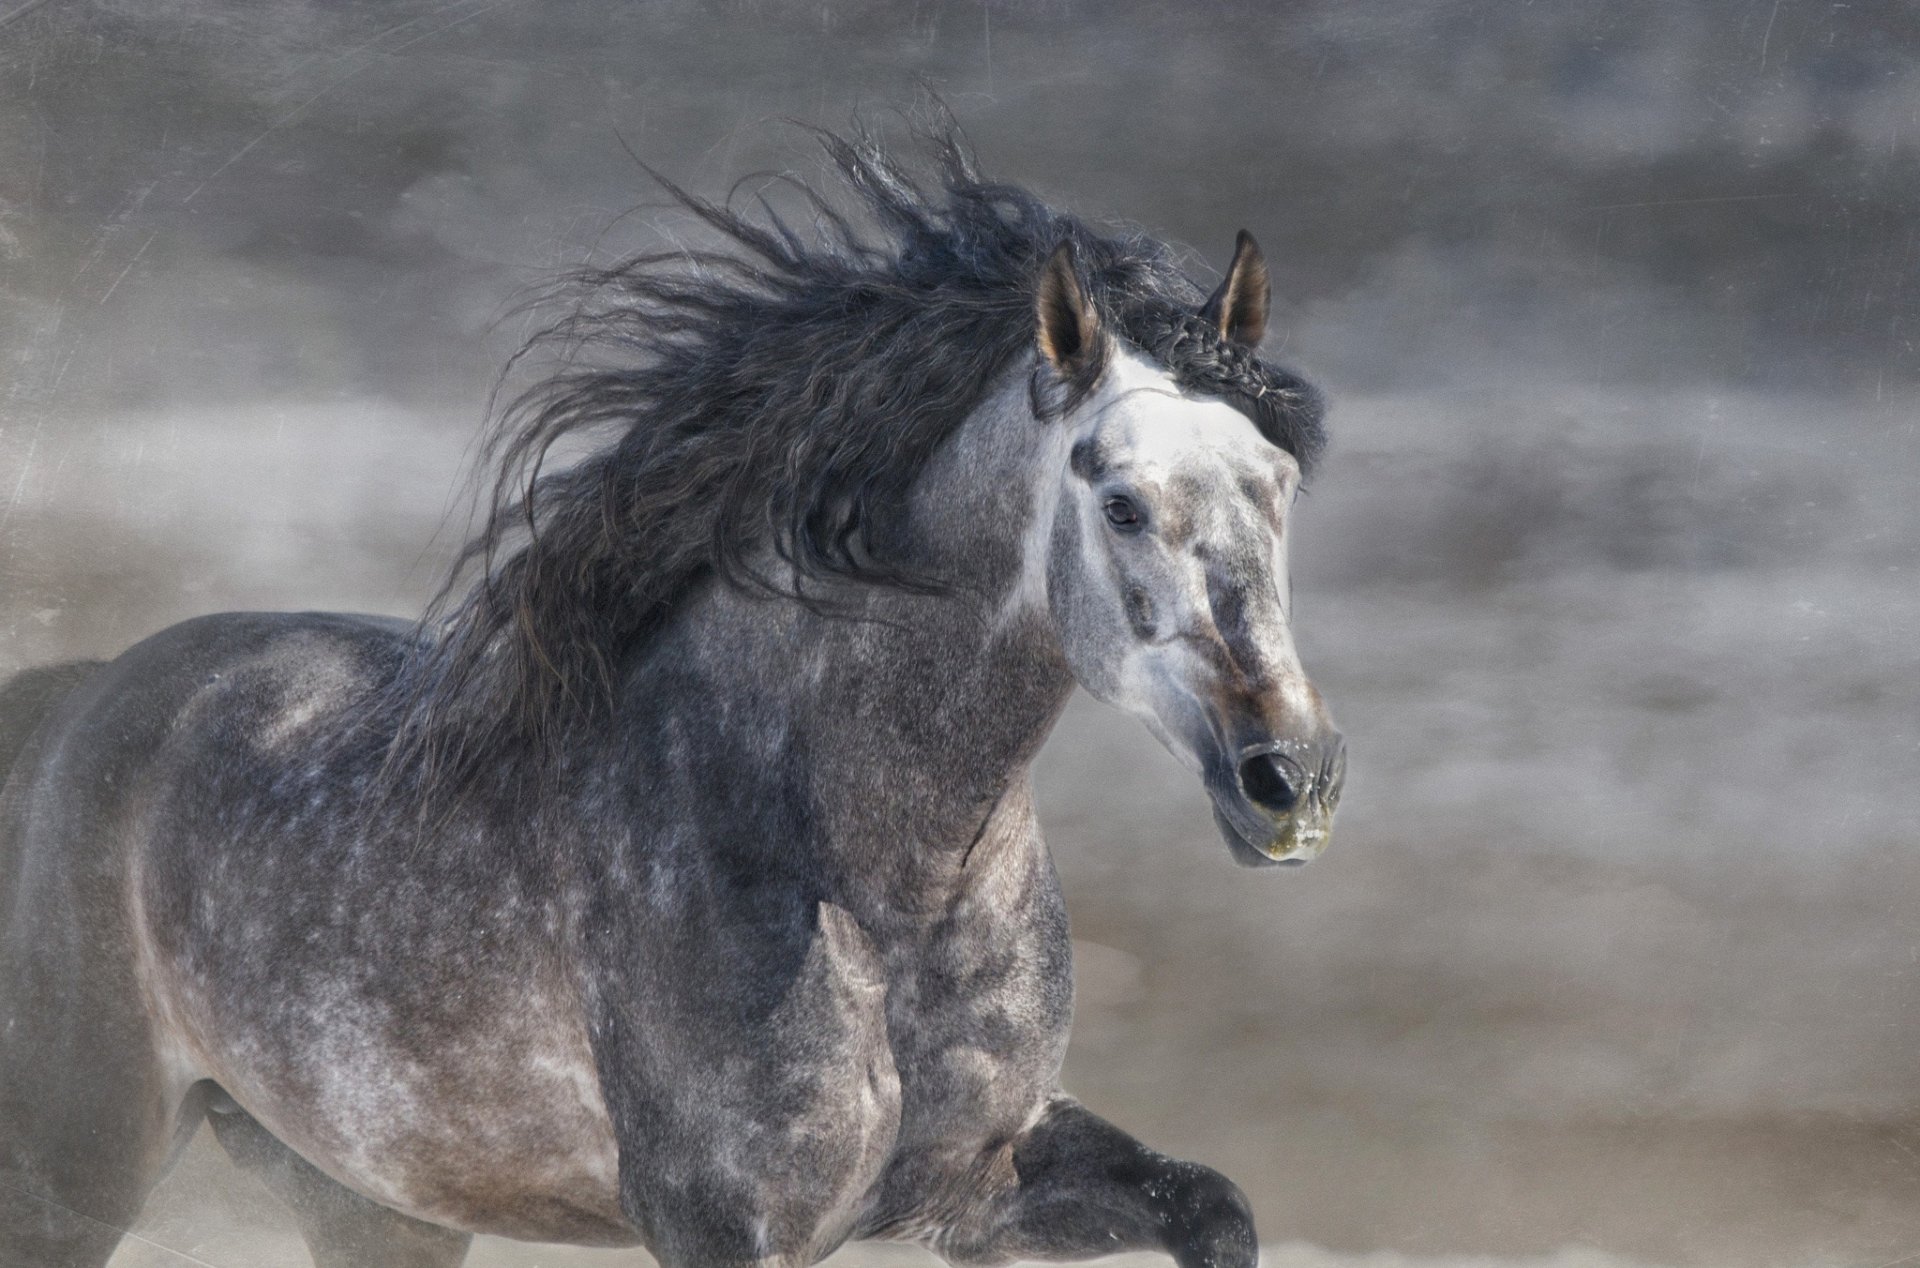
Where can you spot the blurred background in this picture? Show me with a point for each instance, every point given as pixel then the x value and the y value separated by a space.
pixel 1611 576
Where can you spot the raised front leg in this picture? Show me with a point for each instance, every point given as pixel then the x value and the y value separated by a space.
pixel 1082 1187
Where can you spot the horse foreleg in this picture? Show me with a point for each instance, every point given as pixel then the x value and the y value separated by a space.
pixel 1081 1188
pixel 341 1228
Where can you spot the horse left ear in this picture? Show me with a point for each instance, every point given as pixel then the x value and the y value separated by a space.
pixel 1238 310
pixel 1065 321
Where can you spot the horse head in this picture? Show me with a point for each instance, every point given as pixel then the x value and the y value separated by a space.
pixel 1165 551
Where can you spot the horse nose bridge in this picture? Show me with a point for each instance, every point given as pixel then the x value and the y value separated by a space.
pixel 1250 619
pixel 1287 749
pixel 1281 704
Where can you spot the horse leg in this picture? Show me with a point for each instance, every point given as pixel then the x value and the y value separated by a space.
pixel 90 1116
pixel 72 1183
pixel 1084 1188
pixel 89 1119
pixel 341 1228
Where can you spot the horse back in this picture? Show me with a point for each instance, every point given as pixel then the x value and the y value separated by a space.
pixel 75 736
pixel 28 698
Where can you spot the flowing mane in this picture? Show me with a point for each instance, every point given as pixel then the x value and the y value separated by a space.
pixel 780 390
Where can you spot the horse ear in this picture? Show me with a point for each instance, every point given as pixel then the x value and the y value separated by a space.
pixel 1238 310
pixel 1064 319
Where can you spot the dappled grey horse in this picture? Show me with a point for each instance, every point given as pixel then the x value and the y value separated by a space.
pixel 676 882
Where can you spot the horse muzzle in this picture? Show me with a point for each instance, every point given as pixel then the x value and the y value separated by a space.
pixel 1274 802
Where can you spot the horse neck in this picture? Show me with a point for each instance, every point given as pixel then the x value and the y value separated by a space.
pixel 904 729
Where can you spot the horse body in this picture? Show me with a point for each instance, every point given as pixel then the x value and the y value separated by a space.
pixel 273 973
pixel 773 957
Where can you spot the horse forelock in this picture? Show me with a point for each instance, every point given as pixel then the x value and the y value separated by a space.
pixel 772 397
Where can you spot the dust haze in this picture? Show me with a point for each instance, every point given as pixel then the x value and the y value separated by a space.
pixel 1610 577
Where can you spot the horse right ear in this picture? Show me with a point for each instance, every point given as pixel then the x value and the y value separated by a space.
pixel 1065 323
pixel 1239 309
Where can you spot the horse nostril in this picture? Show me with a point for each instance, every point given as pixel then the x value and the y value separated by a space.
pixel 1268 783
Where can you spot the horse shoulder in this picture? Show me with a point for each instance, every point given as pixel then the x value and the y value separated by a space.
pixel 981 1006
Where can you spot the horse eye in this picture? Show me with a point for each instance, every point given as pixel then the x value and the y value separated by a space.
pixel 1123 514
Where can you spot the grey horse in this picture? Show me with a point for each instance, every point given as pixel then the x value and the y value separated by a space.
pixel 676 881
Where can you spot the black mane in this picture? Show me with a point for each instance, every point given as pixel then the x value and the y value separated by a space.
pixel 780 389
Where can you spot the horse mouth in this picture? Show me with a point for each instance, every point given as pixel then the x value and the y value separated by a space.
pixel 1298 841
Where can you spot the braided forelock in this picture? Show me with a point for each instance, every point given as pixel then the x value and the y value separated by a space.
pixel 1288 411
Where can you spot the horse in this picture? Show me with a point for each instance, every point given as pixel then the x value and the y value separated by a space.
pixel 675 880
